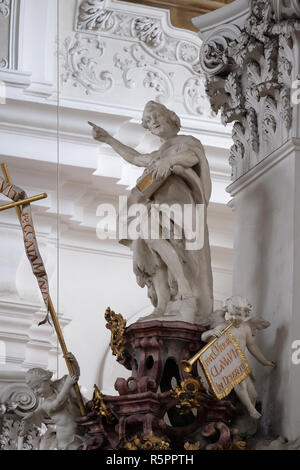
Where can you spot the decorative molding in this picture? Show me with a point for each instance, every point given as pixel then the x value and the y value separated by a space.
pixel 195 99
pixel 6 39
pixel 291 147
pixel 148 50
pixel 132 61
pixel 249 71
pixel 80 64
pixel 10 427
pixel 92 15
pixel 149 31
pixel 3 63
pixel 183 11
pixel 5 7
pixel 20 397
pixel 146 30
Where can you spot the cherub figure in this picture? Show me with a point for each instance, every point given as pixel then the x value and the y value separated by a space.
pixel 237 310
pixel 58 406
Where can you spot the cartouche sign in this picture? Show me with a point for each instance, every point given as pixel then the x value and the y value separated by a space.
pixel 224 364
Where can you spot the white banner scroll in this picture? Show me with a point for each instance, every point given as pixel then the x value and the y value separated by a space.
pixel 224 364
pixel 31 246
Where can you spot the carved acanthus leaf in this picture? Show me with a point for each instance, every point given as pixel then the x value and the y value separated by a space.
pixel 80 65
pixel 92 15
pixel 253 129
pixel 10 435
pixel 270 118
pixel 253 72
pixel 149 31
pixel 253 69
pixel 233 87
pixel 195 98
pixel 287 114
pixel 237 151
pixel 134 64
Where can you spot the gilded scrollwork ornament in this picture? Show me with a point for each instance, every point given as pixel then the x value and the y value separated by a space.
pixel 189 394
pixel 99 406
pixel 192 446
pixel 116 324
pixel 147 442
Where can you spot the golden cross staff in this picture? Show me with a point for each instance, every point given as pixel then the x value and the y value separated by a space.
pixel 50 304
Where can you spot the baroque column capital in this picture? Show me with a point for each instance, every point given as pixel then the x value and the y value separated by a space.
pixel 251 66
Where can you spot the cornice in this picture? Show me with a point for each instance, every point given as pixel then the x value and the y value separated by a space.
pixel 182 11
pixel 264 166
pixel 234 13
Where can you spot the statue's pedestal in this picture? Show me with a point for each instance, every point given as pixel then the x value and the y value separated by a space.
pixel 146 406
pixel 156 348
pixel 266 203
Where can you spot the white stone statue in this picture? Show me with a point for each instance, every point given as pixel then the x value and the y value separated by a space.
pixel 179 280
pixel 237 310
pixel 58 408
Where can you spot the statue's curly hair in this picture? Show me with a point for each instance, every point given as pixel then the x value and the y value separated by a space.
pixel 37 373
pixel 171 115
pixel 237 301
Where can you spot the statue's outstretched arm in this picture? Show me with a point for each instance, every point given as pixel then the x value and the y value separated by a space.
pixel 209 335
pixel 126 152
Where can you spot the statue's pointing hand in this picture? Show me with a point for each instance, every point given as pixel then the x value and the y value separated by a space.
pixel 99 134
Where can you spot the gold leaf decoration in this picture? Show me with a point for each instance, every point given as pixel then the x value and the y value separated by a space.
pixel 99 406
pixel 189 394
pixel 192 446
pixel 147 442
pixel 116 324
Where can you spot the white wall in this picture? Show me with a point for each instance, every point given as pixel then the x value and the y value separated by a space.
pixel 86 274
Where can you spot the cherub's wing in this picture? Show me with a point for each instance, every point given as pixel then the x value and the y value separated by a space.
pixel 59 383
pixel 257 323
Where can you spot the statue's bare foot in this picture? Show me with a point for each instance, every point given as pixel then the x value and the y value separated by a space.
pixel 254 414
pixel 182 310
pixel 157 313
